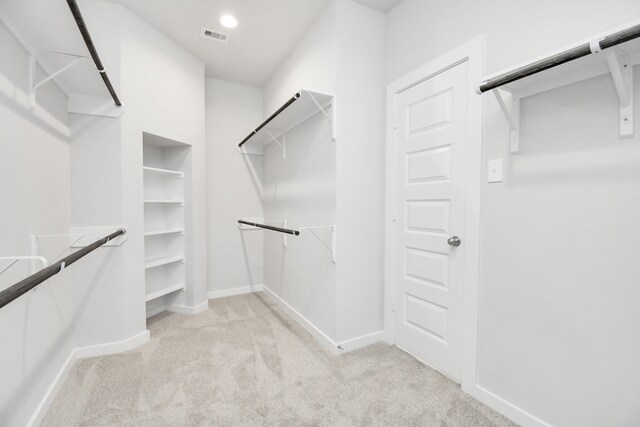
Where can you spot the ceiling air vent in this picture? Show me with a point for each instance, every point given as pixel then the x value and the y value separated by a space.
pixel 214 35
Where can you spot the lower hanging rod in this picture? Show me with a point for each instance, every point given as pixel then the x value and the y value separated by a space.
pixel 25 285
pixel 270 227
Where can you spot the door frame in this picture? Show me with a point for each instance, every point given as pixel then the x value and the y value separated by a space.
pixel 471 52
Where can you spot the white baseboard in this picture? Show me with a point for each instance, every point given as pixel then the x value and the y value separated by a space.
pixel 191 311
pixel 506 408
pixel 223 293
pixel 362 341
pixel 156 310
pixel 81 353
pixel 113 347
pixel 45 403
pixel 320 336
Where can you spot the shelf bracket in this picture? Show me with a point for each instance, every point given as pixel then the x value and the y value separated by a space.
pixel 33 86
pixel 282 145
pixel 331 246
pixel 512 115
pixel 331 119
pixel 622 74
pixel 15 259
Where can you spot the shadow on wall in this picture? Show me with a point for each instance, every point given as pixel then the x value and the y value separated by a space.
pixel 15 99
pixel 247 259
pixel 301 189
pixel 571 135
pixel 254 166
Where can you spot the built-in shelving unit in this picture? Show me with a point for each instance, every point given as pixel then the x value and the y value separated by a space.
pixel 299 108
pixel 164 205
pixel 613 52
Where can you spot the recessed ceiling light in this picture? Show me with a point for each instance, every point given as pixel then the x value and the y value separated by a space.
pixel 228 21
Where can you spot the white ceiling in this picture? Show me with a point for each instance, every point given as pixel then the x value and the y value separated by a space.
pixel 267 31
pixel 383 6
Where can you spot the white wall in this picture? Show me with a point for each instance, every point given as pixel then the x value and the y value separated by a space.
pixel 342 54
pixel 161 87
pixel 96 180
pixel 301 189
pixel 360 169
pixel 164 91
pixel 36 329
pixel 234 187
pixel 311 65
pixel 558 334
pixel 97 196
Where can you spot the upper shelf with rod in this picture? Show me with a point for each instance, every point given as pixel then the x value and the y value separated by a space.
pixel 613 52
pixel 60 54
pixel 84 31
pixel 299 108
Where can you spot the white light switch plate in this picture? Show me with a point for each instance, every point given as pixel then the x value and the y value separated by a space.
pixel 495 170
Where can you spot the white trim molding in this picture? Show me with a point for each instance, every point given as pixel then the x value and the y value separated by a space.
pixel 113 347
pixel 45 403
pixel 188 310
pixel 156 310
pixel 505 407
pixel 319 336
pixel 81 353
pixel 333 347
pixel 223 293
pixel 362 341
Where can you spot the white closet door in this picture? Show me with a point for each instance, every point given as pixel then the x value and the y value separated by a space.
pixel 429 189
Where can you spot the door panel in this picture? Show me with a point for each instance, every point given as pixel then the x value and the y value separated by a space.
pixel 430 174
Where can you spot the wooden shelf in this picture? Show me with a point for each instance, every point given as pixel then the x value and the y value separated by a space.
pixel 300 108
pixel 163 261
pixel 163 172
pixel 163 232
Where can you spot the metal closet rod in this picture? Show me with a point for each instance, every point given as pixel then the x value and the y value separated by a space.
pixel 559 59
pixel 271 117
pixel 25 285
pixel 270 227
pixel 75 10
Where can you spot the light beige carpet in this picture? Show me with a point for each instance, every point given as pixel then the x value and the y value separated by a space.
pixel 244 362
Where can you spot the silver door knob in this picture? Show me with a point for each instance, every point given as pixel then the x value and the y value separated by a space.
pixel 454 241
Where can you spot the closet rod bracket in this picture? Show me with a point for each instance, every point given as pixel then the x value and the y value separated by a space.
pixel 33 85
pixel 512 115
pixel 622 75
pixel 282 143
pixel 328 117
pixel 331 246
